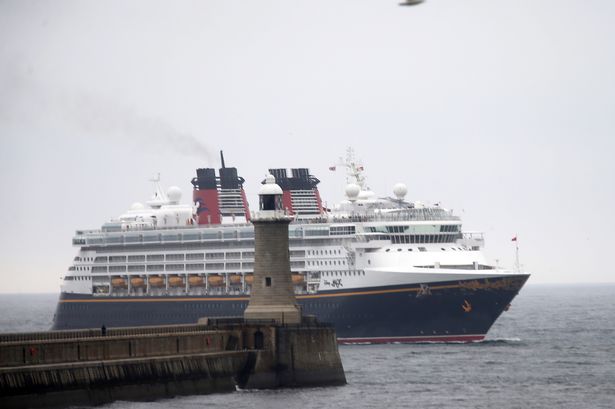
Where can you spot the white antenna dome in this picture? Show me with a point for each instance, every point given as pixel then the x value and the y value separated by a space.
pixel 352 191
pixel 400 190
pixel 174 194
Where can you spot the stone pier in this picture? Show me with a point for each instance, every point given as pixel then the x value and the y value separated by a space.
pixel 67 368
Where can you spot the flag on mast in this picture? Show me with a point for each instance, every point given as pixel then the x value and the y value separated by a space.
pixel 517 264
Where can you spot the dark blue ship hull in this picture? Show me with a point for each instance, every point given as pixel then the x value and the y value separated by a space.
pixel 444 312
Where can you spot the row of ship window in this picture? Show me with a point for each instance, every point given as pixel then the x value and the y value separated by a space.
pixel 343 273
pixel 425 249
pixel 84 258
pixel 198 256
pixel 326 263
pixel 172 267
pixel 413 229
pixel 409 249
pixel 184 267
pixel 419 238
pixel 323 252
pixel 324 273
pixel 178 257
pixel 188 256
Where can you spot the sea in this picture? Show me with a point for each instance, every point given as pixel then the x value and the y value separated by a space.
pixel 554 348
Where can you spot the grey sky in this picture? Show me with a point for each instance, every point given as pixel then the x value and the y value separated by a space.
pixel 500 110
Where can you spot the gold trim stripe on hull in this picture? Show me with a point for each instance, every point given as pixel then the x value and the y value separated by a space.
pixel 246 298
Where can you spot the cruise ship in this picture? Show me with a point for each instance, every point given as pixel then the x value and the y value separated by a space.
pixel 381 269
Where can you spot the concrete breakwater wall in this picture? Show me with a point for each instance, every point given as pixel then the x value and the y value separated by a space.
pixel 38 352
pixel 97 382
pixel 62 368
pixel 68 368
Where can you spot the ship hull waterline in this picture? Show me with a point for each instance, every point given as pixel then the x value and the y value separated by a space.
pixel 455 311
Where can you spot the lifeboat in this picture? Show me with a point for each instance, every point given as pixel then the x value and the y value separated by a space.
pixel 249 278
pixel 298 279
pixel 118 282
pixel 215 280
pixel 175 281
pixel 196 281
pixel 137 282
pixel 235 279
pixel 156 282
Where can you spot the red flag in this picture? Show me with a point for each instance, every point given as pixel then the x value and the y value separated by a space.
pixel 514 238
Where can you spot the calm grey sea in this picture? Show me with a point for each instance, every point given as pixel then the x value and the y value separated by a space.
pixel 555 348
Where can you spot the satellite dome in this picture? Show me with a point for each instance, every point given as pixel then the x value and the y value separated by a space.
pixel 137 206
pixel 400 190
pixel 352 191
pixel 174 194
pixel 270 187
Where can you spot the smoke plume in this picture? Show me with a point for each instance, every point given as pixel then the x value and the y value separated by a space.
pixel 24 99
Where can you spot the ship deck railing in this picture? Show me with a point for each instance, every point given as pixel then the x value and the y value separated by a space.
pixel 365 218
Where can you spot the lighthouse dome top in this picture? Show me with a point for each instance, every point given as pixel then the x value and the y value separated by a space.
pixel 270 187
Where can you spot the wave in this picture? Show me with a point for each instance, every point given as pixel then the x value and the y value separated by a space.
pixel 500 341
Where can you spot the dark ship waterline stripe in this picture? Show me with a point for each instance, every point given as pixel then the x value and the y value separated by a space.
pixel 415 339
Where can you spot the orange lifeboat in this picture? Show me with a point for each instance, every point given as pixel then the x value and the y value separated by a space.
pixel 137 282
pixel 298 279
pixel 249 278
pixel 215 280
pixel 156 281
pixel 118 282
pixel 235 279
pixel 195 281
pixel 175 281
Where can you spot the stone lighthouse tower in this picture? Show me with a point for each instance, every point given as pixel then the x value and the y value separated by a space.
pixel 272 297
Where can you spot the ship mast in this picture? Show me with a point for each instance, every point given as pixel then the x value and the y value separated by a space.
pixel 160 197
pixel 354 169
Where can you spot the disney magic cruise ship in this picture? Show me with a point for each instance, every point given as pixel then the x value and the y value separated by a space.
pixel 379 269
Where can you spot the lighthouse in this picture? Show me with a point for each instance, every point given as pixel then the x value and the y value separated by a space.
pixel 272 298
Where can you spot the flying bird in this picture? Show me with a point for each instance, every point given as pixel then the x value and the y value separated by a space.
pixel 411 2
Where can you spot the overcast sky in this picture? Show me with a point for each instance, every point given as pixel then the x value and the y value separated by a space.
pixel 501 110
